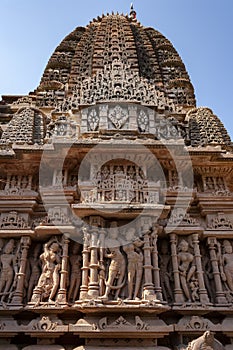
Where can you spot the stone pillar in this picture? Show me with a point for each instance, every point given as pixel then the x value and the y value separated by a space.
pixel 93 288
pixel 178 294
pixel 148 288
pixel 85 267
pixel 61 297
pixel 158 289
pixel 101 262
pixel 204 299
pixel 18 294
pixel 220 297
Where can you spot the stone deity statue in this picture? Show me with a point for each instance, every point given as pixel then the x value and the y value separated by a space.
pixel 186 267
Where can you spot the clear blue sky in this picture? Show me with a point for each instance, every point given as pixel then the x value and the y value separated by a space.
pixel 201 31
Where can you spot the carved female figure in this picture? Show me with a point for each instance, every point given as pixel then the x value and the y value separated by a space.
pixel 228 263
pixel 49 279
pixel 186 267
pixel 165 271
pixel 135 263
pixel 7 260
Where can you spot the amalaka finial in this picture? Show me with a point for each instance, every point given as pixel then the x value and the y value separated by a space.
pixel 133 13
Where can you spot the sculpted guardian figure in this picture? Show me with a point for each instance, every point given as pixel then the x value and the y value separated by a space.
pixel 186 267
pixel 51 263
pixel 117 267
pixel 135 263
pixel 8 261
pixel 227 264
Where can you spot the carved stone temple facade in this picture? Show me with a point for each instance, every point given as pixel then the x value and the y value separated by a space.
pixel 116 201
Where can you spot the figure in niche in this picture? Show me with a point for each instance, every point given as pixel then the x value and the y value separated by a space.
pixel 208 273
pixel 209 183
pixel 75 275
pixel 166 271
pixel 34 270
pixel 117 267
pixel 8 261
pixel 51 263
pixel 186 267
pixel 132 248
pixel 226 264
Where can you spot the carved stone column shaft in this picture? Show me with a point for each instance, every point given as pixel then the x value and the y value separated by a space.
pixel 85 267
pixel 202 290
pixel 93 288
pixel 178 294
pixel 61 298
pixel 220 297
pixel 158 289
pixel 18 294
pixel 148 288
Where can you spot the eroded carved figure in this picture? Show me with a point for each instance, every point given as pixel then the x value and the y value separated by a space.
pixel 165 271
pixel 9 269
pixel 226 264
pixel 187 270
pixel 135 263
pixel 48 283
pixel 117 267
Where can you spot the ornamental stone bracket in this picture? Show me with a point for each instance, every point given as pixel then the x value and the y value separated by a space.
pixel 132 326
pixel 43 326
pixel 196 325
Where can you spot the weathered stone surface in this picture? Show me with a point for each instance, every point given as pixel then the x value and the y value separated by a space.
pixel 116 201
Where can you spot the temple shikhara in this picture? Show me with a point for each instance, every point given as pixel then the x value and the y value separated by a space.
pixel 116 201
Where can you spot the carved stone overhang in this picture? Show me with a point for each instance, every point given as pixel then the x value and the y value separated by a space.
pixel 25 204
pixel 99 307
pixel 54 195
pixel 180 194
pixel 196 325
pixel 45 231
pixel 122 327
pixel 120 210
pixel 17 233
pixel 8 327
pixel 218 203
